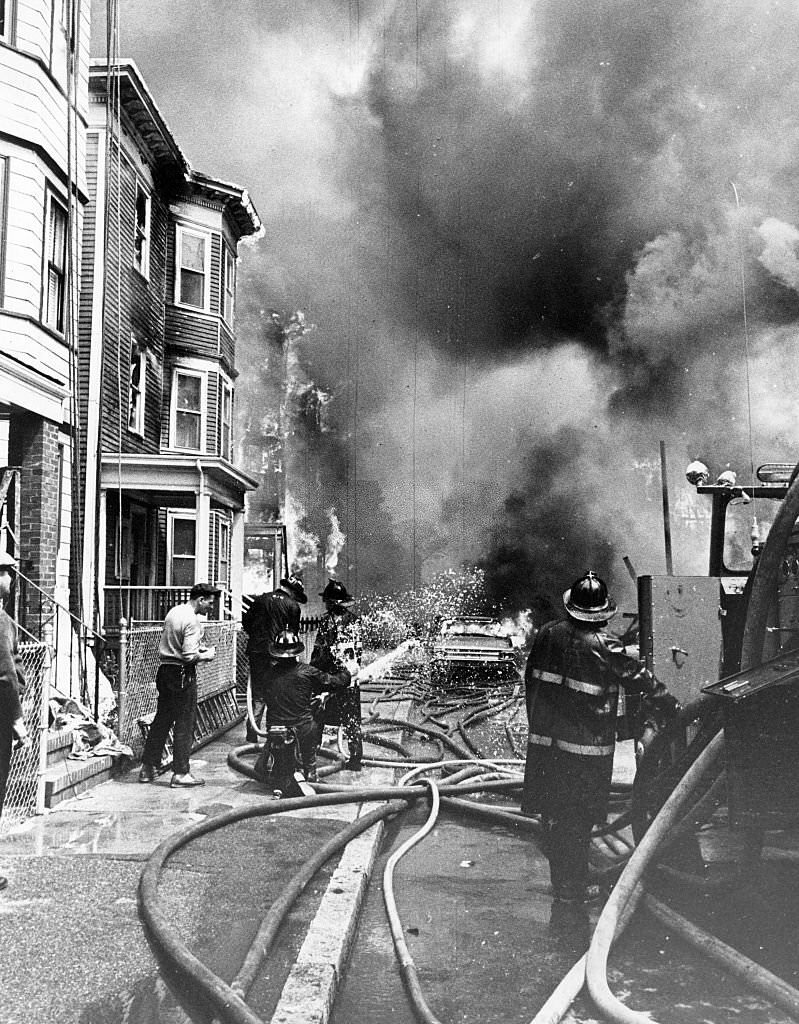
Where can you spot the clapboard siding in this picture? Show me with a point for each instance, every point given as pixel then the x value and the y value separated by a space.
pixel 227 345
pixel 32 28
pixel 134 306
pixel 33 109
pixel 35 347
pixel 212 420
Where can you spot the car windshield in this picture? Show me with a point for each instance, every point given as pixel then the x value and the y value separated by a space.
pixel 467 627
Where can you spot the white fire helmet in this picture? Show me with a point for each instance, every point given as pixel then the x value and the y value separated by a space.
pixel 697 473
pixel 727 478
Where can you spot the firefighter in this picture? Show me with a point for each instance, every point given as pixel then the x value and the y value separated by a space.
pixel 339 634
pixel 290 689
pixel 572 681
pixel 265 618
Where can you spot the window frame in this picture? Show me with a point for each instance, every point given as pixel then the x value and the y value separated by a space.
pixel 228 290
pixel 180 231
pixel 202 376
pixel 225 423
pixel 173 516
pixel 8 21
pixel 5 173
pixel 54 202
pixel 137 350
pixel 141 263
pixel 223 547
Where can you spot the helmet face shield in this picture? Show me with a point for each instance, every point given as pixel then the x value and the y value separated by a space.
pixel 587 600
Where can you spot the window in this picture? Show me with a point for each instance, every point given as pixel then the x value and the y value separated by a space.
pixel 141 239
pixel 225 420
pixel 187 410
pixel 228 284
pixel 7 21
pixel 182 550
pixel 223 554
pixel 137 382
pixel 55 265
pixel 3 219
pixel 192 269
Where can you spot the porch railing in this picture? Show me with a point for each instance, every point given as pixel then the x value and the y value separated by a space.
pixel 77 652
pixel 150 604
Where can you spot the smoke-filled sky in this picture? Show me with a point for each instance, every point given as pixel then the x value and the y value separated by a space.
pixel 524 232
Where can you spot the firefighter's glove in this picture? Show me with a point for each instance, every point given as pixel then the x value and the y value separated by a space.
pixel 659 709
pixel 318 701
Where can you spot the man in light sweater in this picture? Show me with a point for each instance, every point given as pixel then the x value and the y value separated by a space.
pixel 179 650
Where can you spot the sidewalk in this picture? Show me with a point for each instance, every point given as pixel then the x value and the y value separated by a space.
pixel 75 949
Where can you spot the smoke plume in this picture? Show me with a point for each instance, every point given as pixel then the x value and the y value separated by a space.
pixel 526 234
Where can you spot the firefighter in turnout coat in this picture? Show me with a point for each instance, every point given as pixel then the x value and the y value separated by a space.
pixel 572 682
pixel 338 639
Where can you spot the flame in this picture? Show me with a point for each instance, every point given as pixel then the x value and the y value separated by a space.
pixel 335 542
pixel 303 545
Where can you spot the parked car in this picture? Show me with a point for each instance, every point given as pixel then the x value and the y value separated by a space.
pixel 473 648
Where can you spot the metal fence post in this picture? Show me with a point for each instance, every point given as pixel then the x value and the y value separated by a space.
pixel 123 676
pixel 49 668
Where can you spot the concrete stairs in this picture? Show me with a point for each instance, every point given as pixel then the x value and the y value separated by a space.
pixel 67 777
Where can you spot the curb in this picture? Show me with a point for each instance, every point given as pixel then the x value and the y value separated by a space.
pixel 314 980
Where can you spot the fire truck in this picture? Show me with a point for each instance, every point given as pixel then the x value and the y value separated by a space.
pixel 727 643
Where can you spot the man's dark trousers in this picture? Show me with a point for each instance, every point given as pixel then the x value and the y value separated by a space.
pixel 177 710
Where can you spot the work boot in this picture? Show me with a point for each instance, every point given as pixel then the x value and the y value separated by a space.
pixel 146 773
pixel 353 765
pixel 185 781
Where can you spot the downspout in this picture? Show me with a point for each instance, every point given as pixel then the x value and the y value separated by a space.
pixel 91 509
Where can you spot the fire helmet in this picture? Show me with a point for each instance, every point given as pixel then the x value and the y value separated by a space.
pixel 337 593
pixel 286 645
pixel 587 600
pixel 7 561
pixel 294 584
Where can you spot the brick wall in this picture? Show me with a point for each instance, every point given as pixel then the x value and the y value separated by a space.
pixel 33 445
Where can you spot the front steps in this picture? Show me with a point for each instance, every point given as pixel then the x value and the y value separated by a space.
pixel 66 777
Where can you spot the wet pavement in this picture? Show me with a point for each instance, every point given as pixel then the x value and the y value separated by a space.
pixel 489 943
pixel 75 948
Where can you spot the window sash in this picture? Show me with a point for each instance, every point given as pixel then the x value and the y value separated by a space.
pixel 225 421
pixel 182 550
pixel 192 283
pixel 228 285
pixel 141 237
pixel 56 260
pixel 188 410
pixel 223 554
pixel 136 390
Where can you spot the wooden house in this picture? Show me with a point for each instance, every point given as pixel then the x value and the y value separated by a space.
pixel 164 503
pixel 44 72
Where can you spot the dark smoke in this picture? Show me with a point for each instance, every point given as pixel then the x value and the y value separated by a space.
pixel 515 228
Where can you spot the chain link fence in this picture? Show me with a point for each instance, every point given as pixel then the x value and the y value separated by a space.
pixel 27 764
pixel 216 683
